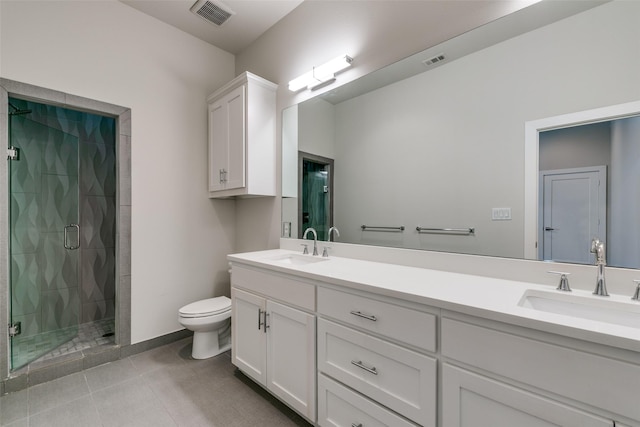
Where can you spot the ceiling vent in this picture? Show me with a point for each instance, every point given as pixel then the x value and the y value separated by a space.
pixel 438 58
pixel 213 11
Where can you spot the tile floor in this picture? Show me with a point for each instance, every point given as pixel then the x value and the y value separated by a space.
pixel 160 387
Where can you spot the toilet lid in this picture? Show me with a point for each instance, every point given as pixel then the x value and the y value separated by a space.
pixel 206 307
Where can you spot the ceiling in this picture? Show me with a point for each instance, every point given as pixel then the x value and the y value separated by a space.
pixel 252 18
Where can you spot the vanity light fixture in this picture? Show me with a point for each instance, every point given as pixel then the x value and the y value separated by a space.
pixel 320 75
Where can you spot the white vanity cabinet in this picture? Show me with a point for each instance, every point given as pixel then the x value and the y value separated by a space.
pixel 496 372
pixel 274 342
pixel 242 145
pixel 377 349
pixel 472 400
pixel 385 354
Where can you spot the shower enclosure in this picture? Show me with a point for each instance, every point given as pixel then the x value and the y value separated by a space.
pixel 62 230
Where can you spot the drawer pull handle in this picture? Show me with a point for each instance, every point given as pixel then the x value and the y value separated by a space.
pixel 360 365
pixel 364 316
pixel 356 425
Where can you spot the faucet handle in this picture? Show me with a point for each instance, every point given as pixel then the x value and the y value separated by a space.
pixel 636 294
pixel 325 251
pixel 564 281
pixel 305 251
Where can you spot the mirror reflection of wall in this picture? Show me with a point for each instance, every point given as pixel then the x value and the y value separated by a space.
pixel 445 147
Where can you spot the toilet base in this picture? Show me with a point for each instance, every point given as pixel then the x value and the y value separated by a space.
pixel 209 344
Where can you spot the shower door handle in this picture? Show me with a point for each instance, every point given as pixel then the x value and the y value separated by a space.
pixel 66 236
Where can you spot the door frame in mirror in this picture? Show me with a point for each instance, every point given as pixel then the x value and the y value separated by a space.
pixel 531 157
pixel 302 156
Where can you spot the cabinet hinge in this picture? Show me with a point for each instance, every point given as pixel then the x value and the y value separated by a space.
pixel 13 153
pixel 15 329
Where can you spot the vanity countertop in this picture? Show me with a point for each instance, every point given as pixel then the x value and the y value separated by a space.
pixel 490 298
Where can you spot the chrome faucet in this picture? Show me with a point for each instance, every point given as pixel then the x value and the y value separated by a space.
pixel 315 239
pixel 332 230
pixel 597 248
pixel 325 250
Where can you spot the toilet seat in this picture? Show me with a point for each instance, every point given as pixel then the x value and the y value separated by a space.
pixel 206 307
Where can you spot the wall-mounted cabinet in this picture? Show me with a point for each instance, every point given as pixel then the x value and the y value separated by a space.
pixel 242 138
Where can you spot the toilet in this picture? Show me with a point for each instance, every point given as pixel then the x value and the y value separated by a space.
pixel 210 321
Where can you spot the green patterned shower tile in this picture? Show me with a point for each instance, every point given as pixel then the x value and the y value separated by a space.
pixel 25 173
pixel 60 309
pixel 98 222
pixel 98 166
pixel 58 265
pixel 60 154
pixel 25 284
pixel 97 274
pixel 25 222
pixel 59 201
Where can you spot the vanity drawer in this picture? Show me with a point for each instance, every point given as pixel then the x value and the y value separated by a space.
pixel 399 323
pixel 564 371
pixel 398 378
pixel 338 406
pixel 275 286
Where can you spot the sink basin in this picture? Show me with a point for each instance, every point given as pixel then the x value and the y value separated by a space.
pixel 601 309
pixel 296 259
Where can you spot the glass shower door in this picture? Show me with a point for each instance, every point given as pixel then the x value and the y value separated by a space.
pixel 44 238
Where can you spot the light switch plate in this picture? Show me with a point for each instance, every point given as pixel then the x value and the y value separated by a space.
pixel 501 214
pixel 286 229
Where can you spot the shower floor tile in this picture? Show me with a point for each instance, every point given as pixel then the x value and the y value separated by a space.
pixel 88 335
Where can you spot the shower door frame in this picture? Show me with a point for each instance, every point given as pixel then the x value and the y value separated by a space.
pixel 122 115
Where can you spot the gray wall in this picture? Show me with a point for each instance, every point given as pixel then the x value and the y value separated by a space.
pixel 575 147
pixel 625 195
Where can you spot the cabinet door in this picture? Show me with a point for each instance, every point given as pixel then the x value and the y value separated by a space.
pixel 471 400
pixel 291 353
pixel 236 176
pixel 248 339
pixel 227 141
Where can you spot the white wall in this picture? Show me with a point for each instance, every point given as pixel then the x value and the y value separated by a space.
pixel 110 52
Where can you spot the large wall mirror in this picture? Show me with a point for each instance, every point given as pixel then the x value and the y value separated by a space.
pixel 442 147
